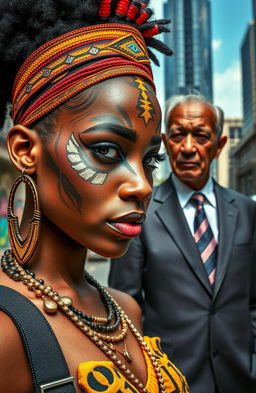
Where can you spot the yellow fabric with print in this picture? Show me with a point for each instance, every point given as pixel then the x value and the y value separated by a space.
pixel 104 376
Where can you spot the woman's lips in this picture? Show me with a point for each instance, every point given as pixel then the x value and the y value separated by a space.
pixel 126 228
pixel 128 224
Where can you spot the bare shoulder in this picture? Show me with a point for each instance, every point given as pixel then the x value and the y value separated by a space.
pixel 129 305
pixel 15 374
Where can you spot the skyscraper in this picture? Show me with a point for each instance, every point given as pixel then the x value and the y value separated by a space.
pixel 244 154
pixel 190 39
pixel 248 57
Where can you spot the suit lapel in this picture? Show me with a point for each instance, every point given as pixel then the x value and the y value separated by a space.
pixel 227 217
pixel 170 214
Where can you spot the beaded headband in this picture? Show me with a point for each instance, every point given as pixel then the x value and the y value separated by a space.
pixel 68 64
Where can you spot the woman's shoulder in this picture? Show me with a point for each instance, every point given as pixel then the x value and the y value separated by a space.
pixel 15 374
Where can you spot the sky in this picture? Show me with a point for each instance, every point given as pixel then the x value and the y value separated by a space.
pixel 230 19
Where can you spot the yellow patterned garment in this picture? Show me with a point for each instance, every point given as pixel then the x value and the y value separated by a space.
pixel 104 376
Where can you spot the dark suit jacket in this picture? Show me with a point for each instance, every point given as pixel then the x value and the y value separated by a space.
pixel 210 334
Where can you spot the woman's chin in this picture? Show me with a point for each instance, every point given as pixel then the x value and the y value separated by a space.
pixel 114 251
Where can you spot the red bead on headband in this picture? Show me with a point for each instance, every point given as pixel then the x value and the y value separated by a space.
pixel 144 3
pixel 144 16
pixel 104 9
pixel 133 10
pixel 122 7
pixel 151 32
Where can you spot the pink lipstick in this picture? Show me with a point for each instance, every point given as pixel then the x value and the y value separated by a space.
pixel 126 229
pixel 128 224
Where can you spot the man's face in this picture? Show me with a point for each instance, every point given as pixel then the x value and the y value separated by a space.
pixel 192 143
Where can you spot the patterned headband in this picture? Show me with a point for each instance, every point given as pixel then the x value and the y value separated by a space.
pixel 68 64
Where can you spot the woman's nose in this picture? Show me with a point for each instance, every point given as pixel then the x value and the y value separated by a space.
pixel 138 186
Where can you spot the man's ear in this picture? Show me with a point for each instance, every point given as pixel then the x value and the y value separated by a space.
pixel 166 142
pixel 23 145
pixel 221 143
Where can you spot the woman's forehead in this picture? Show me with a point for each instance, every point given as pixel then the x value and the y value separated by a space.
pixel 124 98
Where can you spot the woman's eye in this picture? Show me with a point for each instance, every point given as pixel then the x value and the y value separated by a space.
pixel 154 159
pixel 108 152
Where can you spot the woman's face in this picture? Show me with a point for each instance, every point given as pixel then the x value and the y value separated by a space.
pixel 94 177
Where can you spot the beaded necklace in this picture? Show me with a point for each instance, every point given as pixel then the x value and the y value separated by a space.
pixel 92 326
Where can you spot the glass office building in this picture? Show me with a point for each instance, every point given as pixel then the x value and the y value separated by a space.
pixel 191 66
pixel 248 60
pixel 248 56
pixel 244 154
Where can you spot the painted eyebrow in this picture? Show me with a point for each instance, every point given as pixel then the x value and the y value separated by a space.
pixel 120 130
pixel 156 140
pixel 106 118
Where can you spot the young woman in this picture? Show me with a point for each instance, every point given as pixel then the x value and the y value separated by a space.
pixel 86 137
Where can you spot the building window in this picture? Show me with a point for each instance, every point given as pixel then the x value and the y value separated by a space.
pixel 235 132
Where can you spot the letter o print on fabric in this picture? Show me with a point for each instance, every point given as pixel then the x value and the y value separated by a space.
pixel 100 379
pixel 104 379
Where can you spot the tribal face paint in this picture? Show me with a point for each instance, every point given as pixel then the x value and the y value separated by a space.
pixel 99 166
pixel 80 164
pixel 144 105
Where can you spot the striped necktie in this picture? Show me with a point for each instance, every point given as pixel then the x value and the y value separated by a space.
pixel 204 237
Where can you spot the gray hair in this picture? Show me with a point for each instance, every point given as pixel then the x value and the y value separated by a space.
pixel 173 101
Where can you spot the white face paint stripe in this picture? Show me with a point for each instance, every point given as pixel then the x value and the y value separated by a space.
pixel 87 174
pixel 99 178
pixel 79 167
pixel 74 157
pixel 71 148
pixel 78 163
pixel 73 139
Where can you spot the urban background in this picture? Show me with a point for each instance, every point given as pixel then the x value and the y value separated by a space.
pixel 214 44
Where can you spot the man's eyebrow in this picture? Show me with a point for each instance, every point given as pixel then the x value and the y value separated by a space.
pixel 181 128
pixel 120 130
pixel 201 128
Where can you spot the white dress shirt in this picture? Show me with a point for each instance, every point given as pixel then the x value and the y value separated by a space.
pixel 184 194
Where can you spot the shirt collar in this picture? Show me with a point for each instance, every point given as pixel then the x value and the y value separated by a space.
pixel 184 192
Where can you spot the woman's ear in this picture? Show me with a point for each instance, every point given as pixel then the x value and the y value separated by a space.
pixel 23 145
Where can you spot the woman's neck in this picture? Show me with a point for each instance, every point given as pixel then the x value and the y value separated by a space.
pixel 58 258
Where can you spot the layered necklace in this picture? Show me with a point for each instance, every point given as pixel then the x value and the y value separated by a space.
pixel 97 329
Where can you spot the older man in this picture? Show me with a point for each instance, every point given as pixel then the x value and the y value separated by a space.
pixel 193 268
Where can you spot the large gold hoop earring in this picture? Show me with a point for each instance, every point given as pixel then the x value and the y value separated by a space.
pixel 23 248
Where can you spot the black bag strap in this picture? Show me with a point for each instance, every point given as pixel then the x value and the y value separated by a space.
pixel 49 368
